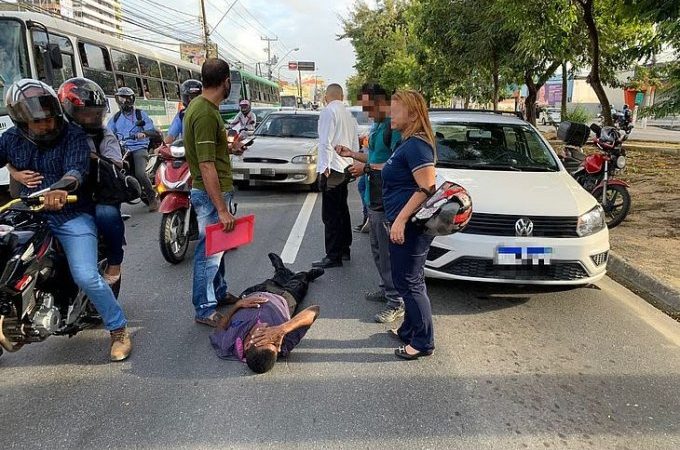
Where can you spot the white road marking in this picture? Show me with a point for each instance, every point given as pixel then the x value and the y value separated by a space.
pixel 297 233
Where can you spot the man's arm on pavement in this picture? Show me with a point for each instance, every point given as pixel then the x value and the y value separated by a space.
pixel 304 318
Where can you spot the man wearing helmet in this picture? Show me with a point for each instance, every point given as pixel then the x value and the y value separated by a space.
pixel 245 120
pixel 132 123
pixel 41 141
pixel 189 90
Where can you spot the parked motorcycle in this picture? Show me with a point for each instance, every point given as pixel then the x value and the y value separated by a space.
pixel 173 184
pixel 38 297
pixel 597 172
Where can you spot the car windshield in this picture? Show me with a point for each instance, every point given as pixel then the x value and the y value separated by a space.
pixel 13 59
pixel 491 146
pixel 294 126
pixel 361 117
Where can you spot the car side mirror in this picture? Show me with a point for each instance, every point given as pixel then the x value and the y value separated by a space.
pixel 55 56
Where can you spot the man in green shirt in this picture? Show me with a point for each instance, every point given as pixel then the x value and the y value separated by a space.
pixel 382 142
pixel 207 152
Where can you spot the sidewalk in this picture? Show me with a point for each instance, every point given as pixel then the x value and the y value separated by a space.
pixel 649 134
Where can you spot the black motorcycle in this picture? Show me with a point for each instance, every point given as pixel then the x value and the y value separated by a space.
pixel 38 297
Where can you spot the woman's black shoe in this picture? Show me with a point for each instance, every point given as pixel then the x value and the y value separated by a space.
pixel 401 353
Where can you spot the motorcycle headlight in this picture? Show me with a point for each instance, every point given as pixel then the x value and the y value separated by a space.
pixel 303 159
pixel 621 162
pixel 591 222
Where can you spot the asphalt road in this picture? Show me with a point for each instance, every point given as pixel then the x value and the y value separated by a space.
pixel 585 368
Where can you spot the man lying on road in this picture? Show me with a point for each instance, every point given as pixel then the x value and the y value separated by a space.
pixel 263 325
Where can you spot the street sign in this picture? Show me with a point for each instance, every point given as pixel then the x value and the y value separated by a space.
pixel 292 65
pixel 639 98
pixel 306 66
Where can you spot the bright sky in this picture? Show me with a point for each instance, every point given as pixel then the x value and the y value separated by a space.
pixel 311 25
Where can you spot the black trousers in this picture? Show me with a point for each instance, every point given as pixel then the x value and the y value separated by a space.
pixel 336 220
pixel 289 285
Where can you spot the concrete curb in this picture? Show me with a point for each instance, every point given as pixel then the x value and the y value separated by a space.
pixel 655 291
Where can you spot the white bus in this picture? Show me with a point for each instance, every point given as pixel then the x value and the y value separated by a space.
pixel 52 50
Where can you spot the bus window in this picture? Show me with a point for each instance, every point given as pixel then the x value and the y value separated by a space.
pixel 171 91
pixel 66 48
pixel 133 83
pixel 97 66
pixel 169 72
pixel 153 89
pixel 149 67
pixel 196 75
pixel 184 75
pixel 124 62
pixel 13 57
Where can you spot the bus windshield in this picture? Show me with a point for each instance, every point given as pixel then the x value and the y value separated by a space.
pixel 13 58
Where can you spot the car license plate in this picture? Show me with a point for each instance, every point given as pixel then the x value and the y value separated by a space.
pixel 269 172
pixel 516 256
pixel 254 171
pixel 238 176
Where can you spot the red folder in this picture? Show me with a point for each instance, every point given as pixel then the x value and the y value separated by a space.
pixel 217 240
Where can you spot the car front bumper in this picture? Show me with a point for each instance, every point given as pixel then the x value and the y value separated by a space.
pixel 574 261
pixel 274 173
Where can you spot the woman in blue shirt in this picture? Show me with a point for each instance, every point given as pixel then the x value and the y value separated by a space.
pixel 408 180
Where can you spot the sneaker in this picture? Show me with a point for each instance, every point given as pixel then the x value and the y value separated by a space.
pixel 212 320
pixel 377 296
pixel 389 314
pixel 121 344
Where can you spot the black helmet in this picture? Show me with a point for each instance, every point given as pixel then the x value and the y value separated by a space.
pixel 125 97
pixel 446 212
pixel 189 90
pixel 31 101
pixel 84 103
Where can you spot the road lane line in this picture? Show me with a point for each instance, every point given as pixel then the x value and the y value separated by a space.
pixel 297 233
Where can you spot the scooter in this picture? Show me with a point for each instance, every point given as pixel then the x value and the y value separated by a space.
pixel 38 297
pixel 173 184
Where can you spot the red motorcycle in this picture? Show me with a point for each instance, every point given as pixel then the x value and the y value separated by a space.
pixel 173 184
pixel 597 172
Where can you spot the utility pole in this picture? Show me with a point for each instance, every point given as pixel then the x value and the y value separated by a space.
pixel 269 54
pixel 206 34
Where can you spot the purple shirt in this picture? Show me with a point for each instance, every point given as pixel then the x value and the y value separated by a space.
pixel 228 344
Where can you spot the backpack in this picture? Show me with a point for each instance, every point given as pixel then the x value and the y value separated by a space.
pixel 111 185
pixel 138 115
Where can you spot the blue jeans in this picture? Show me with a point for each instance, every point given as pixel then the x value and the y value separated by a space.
pixel 209 283
pixel 361 186
pixel 112 230
pixel 78 237
pixel 408 275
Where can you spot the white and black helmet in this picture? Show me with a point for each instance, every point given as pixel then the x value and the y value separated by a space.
pixel 30 100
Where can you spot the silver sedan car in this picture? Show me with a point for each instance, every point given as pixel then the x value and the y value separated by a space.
pixel 284 151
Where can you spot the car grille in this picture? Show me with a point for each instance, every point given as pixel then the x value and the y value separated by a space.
pixel 504 225
pixel 436 253
pixel 265 160
pixel 600 258
pixel 485 268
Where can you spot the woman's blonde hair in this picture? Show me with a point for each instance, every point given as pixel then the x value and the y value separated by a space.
pixel 417 106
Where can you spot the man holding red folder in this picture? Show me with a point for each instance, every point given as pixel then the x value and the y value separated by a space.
pixel 207 153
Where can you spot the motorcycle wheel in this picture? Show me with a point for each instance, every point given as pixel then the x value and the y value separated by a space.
pixel 618 203
pixel 173 244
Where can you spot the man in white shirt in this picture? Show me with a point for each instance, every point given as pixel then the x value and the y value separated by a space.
pixel 337 126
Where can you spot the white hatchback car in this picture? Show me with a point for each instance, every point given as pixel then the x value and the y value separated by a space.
pixel 531 222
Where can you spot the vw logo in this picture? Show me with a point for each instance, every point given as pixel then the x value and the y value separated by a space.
pixel 524 227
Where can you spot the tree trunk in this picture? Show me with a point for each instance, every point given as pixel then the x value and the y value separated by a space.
pixel 530 101
pixel 594 77
pixel 467 102
pixel 565 88
pixel 496 87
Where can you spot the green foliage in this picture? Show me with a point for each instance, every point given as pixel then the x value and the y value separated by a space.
pixel 578 114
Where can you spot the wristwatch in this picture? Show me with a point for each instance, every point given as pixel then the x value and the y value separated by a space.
pixel 367 168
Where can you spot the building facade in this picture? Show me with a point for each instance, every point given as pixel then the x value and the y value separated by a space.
pixel 104 16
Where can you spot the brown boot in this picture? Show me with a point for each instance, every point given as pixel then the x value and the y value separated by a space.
pixel 121 344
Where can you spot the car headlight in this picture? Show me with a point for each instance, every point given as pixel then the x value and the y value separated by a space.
pixel 591 222
pixel 621 162
pixel 303 159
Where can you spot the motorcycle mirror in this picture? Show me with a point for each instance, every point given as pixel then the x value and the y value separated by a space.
pixel 65 184
pixel 596 129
